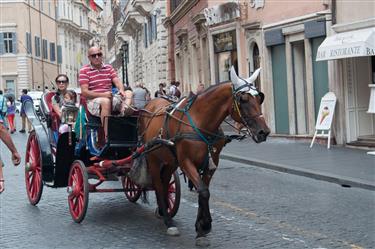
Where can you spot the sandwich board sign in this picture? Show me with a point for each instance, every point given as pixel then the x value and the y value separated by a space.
pixel 325 117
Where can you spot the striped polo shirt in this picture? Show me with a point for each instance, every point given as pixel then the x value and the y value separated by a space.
pixel 99 80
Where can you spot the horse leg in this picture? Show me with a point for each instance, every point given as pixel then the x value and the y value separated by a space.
pixel 161 197
pixel 203 221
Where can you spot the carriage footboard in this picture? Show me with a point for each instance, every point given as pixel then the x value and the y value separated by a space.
pixel 143 149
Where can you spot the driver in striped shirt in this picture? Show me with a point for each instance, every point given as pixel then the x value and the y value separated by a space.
pixel 96 81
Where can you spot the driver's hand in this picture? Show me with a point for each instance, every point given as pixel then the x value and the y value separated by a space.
pixel 16 158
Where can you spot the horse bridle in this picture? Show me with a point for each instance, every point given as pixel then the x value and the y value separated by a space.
pixel 236 93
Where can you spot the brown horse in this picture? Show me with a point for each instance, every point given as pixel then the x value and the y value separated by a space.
pixel 194 127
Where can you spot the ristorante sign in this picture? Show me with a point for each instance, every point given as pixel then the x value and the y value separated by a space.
pixel 350 44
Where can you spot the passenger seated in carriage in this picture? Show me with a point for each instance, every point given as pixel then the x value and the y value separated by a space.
pixel 69 111
pixel 96 81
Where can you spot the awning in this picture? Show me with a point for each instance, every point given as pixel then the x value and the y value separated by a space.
pixel 348 44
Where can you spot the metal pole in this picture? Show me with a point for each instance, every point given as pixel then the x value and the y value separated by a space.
pixel 126 68
pixel 122 66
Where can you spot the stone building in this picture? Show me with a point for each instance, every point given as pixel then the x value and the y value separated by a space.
pixel 76 26
pixel 28 45
pixel 40 39
pixel 137 42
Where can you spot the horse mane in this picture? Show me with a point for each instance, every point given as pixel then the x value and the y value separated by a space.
pixel 210 88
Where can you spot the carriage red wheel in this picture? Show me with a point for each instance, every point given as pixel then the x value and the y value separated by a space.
pixel 33 170
pixel 135 191
pixel 174 194
pixel 78 189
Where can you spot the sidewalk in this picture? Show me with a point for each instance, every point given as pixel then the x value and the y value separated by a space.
pixel 344 166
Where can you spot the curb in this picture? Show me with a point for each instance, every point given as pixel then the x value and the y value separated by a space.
pixel 323 176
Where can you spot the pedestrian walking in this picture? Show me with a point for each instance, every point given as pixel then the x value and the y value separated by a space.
pixel 16 158
pixel 161 92
pixel 3 109
pixel 96 81
pixel 11 113
pixel 25 120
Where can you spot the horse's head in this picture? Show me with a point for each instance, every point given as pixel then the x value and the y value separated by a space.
pixel 247 102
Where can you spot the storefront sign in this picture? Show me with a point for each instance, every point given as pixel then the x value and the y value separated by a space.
pixel 349 44
pixel 325 116
pixel 221 13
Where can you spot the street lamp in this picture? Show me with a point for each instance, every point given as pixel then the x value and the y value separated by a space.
pixel 124 53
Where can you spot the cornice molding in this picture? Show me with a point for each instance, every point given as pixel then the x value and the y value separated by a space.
pixel 182 10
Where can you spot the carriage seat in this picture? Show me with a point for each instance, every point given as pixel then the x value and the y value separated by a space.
pixel 53 120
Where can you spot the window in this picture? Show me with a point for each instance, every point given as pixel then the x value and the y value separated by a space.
pixel 9 85
pixel 150 30
pixel 52 51
pixel 80 17
pixel 59 54
pixel 28 43
pixel 145 35
pixel 37 46
pixel 45 49
pixel 8 43
pixel 155 27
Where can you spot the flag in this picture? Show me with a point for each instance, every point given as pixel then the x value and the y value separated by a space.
pixel 91 4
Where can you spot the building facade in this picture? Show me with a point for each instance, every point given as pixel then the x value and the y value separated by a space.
pixel 40 39
pixel 137 42
pixel 78 29
pixel 350 52
pixel 28 45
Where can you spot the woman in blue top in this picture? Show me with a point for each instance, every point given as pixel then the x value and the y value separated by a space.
pixel 25 120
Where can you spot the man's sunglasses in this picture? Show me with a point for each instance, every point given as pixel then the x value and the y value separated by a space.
pixel 61 81
pixel 96 55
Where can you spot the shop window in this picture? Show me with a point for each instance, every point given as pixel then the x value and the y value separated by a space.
pixel 225 49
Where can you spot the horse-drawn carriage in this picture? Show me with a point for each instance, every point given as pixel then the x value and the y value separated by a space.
pixel 81 159
pixel 185 134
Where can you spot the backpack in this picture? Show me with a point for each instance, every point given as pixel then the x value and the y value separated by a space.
pixel 3 105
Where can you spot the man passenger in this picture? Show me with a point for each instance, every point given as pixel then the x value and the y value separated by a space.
pixel 96 81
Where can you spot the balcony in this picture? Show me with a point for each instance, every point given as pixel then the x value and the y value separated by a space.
pixel 132 21
pixel 144 7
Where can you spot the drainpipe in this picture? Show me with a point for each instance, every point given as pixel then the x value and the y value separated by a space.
pixel 334 12
pixel 31 57
pixel 41 42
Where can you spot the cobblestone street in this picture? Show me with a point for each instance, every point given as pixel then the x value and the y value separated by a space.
pixel 251 208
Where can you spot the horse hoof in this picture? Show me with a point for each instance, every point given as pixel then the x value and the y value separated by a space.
pixel 202 242
pixel 173 231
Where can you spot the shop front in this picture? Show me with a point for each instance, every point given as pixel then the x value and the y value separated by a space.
pixel 354 51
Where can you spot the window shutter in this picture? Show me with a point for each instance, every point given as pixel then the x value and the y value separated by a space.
pixel 1 43
pixel 145 29
pixel 155 28
pixel 14 42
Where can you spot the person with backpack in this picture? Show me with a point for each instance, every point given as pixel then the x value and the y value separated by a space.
pixel 3 109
